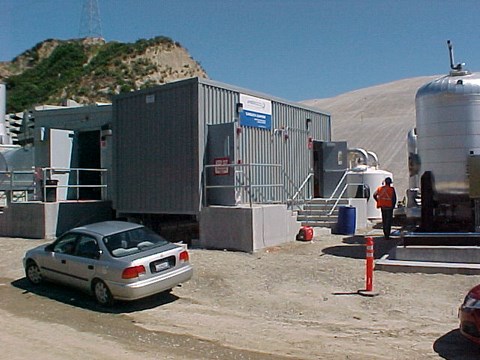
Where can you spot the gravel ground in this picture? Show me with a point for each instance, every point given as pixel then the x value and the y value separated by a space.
pixel 295 301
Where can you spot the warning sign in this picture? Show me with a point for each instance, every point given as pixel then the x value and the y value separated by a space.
pixel 221 170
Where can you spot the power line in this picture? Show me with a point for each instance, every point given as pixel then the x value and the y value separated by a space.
pixel 90 25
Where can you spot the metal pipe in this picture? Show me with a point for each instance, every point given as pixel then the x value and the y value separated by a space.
pixel 4 137
pixel 457 67
pixel 362 152
pixel 374 157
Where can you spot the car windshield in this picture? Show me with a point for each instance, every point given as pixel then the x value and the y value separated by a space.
pixel 132 241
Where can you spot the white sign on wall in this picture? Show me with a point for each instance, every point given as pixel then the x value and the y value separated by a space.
pixel 256 112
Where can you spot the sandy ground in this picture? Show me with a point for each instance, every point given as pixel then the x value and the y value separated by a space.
pixel 296 301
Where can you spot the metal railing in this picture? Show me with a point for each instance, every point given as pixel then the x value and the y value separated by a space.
pixel 48 174
pixel 11 180
pixel 22 185
pixel 340 196
pixel 302 190
pixel 16 186
pixel 259 183
pixel 331 203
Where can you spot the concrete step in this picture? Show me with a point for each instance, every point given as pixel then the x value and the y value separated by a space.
pixel 316 213
pixel 319 218
pixel 427 267
pixel 326 201
pixel 432 260
pixel 320 224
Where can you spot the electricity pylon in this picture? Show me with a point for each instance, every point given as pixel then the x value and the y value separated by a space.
pixel 90 25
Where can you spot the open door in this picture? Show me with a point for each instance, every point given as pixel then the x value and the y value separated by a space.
pixel 88 155
pixel 221 151
pixel 60 153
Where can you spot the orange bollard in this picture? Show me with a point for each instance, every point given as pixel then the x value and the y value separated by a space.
pixel 369 266
pixel 369 269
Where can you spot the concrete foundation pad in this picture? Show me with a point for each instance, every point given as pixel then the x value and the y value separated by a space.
pixel 245 228
pixel 432 260
pixel 427 267
pixel 46 220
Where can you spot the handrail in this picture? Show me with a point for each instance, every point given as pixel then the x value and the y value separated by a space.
pixel 248 186
pixel 301 188
pixel 11 175
pixel 341 195
pixel 243 180
pixel 340 182
pixel 12 181
pixel 58 170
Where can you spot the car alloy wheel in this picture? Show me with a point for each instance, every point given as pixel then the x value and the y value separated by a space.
pixel 102 293
pixel 33 273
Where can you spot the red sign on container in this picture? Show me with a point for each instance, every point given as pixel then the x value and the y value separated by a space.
pixel 221 170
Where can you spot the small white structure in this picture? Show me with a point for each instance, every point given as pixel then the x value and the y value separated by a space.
pixel 372 178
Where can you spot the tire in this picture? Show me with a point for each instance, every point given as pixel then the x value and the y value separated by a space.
pixel 102 293
pixel 33 273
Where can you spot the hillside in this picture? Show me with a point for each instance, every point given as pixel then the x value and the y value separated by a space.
pixel 91 70
pixel 377 118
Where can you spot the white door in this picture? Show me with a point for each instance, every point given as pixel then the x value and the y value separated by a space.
pixel 61 144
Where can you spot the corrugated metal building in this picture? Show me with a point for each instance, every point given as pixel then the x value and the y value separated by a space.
pixel 74 138
pixel 165 136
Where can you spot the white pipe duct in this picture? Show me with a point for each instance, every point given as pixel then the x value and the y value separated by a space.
pixel 4 137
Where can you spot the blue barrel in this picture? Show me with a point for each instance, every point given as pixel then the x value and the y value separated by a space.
pixel 346 220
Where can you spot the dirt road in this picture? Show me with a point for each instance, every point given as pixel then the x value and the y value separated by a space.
pixel 297 301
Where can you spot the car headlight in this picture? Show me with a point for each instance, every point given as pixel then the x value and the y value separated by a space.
pixel 471 302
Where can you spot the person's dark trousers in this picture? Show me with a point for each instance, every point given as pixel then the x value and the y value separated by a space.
pixel 387 217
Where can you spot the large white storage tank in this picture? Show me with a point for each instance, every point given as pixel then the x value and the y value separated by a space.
pixel 448 130
pixel 372 178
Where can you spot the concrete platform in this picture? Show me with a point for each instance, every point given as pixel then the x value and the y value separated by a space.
pixel 245 228
pixel 432 260
pixel 46 220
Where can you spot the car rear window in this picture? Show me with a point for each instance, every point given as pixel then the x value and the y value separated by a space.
pixel 133 241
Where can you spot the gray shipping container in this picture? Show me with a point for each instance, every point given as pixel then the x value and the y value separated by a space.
pixel 160 145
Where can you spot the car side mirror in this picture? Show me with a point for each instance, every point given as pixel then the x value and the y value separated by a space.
pixel 49 248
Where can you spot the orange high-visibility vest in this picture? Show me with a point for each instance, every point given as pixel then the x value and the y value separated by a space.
pixel 385 196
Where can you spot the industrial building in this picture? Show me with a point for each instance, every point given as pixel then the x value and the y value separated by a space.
pixel 201 148
pixel 235 162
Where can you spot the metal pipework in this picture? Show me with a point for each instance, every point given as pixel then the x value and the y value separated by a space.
pixel 459 66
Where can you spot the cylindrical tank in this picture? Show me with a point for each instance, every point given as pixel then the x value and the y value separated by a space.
pixel 448 128
pixel 372 178
pixel 15 158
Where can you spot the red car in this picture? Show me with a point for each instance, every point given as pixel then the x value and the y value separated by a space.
pixel 469 315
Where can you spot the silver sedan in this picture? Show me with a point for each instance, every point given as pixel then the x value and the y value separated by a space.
pixel 112 260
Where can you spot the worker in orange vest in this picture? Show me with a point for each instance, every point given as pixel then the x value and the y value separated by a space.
pixel 386 199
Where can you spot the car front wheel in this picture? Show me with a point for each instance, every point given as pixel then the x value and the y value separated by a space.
pixel 33 273
pixel 102 293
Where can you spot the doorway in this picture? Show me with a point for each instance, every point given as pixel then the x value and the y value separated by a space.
pixel 89 158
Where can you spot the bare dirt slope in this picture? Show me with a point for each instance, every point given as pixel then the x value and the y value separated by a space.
pixel 377 118
pixel 297 301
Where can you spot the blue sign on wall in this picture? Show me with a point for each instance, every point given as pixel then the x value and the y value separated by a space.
pixel 256 112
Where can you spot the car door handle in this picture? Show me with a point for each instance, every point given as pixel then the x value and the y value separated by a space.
pixel 64 261
pixel 90 267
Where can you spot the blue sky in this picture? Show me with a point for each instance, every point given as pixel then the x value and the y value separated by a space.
pixel 292 49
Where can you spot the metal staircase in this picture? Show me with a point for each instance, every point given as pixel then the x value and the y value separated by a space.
pixel 319 212
pixel 323 212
